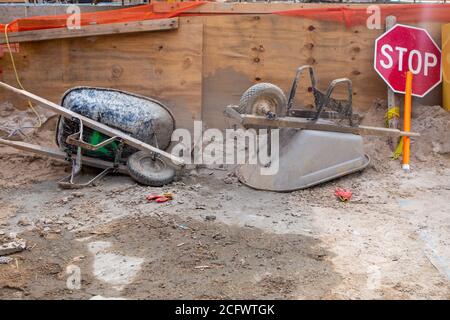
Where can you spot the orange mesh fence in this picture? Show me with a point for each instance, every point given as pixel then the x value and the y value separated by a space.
pixel 143 12
pixel 359 16
pixel 349 16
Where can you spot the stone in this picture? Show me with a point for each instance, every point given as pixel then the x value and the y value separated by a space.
pixel 24 222
pixel 5 260
pixel 228 180
pixel 13 247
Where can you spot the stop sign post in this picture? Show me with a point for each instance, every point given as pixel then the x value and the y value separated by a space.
pixel 405 48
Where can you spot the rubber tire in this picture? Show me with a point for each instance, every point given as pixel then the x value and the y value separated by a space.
pixel 263 90
pixel 154 175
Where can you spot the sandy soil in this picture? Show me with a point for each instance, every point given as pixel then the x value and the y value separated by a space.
pixel 220 239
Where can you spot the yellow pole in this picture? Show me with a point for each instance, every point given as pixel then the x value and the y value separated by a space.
pixel 407 120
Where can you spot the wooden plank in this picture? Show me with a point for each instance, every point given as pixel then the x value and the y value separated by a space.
pixel 247 7
pixel 323 115
pixel 94 30
pixel 391 97
pixel 301 123
pixel 390 23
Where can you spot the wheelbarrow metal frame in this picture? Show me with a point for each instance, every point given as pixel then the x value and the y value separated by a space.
pixel 342 109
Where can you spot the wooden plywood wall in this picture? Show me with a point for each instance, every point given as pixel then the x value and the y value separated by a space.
pixel 166 65
pixel 208 62
pixel 243 50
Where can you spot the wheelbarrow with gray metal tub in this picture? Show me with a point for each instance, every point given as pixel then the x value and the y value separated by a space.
pixel 315 145
pixel 137 126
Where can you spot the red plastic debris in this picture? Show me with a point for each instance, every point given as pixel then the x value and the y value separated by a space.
pixel 162 199
pixel 159 198
pixel 343 195
pixel 152 196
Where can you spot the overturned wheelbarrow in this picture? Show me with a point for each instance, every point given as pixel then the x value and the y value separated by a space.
pixel 113 130
pixel 316 145
pixel 143 118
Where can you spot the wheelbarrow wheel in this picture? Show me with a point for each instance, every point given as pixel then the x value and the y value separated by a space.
pixel 150 170
pixel 263 97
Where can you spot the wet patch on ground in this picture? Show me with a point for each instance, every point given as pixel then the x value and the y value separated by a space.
pixel 166 258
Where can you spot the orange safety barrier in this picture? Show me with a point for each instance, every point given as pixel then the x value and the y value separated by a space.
pixel 143 12
pixel 349 16
pixel 358 16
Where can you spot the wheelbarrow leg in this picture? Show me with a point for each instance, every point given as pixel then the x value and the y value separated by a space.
pixel 69 181
pixel 77 140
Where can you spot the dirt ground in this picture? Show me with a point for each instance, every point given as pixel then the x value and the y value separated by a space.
pixel 220 239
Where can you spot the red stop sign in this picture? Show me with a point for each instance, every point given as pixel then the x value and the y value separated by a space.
pixel 406 48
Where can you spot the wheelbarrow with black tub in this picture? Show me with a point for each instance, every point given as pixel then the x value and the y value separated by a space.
pixel 110 129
